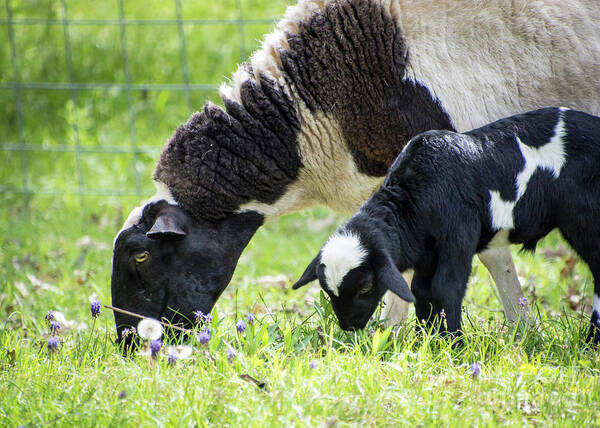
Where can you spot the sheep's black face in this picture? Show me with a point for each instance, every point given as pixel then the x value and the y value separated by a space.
pixel 169 264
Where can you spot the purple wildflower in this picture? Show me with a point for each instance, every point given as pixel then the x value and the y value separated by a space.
pixel 230 354
pixel 95 308
pixel 54 326
pixel 250 318
pixel 201 317
pixel 49 316
pixel 312 365
pixel 372 332
pixel 172 359
pixel 523 302
pixel 204 336
pixel 122 394
pixel 52 344
pixel 240 326
pixel 475 370
pixel 128 331
pixel 155 346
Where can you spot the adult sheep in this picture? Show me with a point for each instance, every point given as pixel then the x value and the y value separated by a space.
pixel 319 113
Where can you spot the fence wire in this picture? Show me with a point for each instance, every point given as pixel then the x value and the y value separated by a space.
pixel 13 25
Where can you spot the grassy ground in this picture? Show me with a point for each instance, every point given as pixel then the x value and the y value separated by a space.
pixel 55 254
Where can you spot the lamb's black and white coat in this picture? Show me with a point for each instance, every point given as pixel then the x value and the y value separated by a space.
pixel 319 113
pixel 449 196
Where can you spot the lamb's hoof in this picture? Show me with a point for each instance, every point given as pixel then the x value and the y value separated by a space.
pixel 594 332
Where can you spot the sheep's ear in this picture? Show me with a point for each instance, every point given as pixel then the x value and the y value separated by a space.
pixel 310 274
pixel 391 278
pixel 167 226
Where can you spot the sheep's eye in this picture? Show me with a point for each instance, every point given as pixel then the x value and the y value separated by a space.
pixel 142 257
pixel 366 289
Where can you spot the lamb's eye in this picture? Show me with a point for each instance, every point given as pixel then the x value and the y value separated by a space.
pixel 366 289
pixel 142 257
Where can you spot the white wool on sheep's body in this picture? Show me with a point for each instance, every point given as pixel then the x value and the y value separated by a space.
pixel 504 56
pixel 340 254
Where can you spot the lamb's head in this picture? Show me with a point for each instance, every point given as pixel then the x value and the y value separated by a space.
pixel 355 271
pixel 167 264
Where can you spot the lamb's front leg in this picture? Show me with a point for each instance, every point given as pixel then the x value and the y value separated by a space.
pixel 439 299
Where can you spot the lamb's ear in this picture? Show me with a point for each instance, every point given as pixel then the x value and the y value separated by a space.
pixel 391 278
pixel 310 274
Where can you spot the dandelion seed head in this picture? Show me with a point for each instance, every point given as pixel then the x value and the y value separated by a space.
pixel 149 329
pixel 180 351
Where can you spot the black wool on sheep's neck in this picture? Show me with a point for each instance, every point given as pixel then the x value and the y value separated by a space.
pixel 350 61
pixel 220 160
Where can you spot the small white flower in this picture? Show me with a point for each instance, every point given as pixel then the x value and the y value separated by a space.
pixel 180 351
pixel 149 329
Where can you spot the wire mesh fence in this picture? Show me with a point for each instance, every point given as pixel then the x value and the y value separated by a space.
pixel 90 91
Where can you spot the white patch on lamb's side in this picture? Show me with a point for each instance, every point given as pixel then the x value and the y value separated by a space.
pixel 501 211
pixel 596 303
pixel 340 254
pixel 551 156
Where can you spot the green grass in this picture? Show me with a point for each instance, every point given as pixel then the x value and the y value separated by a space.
pixel 55 253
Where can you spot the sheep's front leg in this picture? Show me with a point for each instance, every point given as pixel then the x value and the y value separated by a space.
pixel 500 265
pixel 395 310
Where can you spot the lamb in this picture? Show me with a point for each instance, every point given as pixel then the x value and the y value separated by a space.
pixel 449 196
pixel 320 112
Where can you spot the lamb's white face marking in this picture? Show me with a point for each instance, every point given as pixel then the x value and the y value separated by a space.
pixel 162 193
pixel 550 156
pixel 340 254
